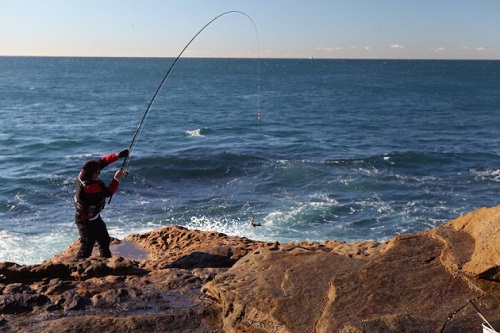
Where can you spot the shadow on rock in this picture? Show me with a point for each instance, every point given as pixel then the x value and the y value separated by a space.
pixel 203 260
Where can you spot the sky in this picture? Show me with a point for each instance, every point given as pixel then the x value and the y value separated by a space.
pixel 366 29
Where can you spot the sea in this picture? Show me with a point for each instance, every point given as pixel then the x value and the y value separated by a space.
pixel 310 149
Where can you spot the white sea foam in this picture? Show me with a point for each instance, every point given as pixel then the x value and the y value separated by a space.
pixel 196 132
pixel 81 156
pixel 388 160
pixel 122 229
pixel 33 249
pixel 317 205
pixel 231 227
pixel 488 174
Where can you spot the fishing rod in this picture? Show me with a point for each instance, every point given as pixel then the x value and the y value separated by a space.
pixel 480 314
pixel 126 160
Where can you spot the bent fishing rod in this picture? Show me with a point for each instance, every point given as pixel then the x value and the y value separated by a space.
pixel 126 160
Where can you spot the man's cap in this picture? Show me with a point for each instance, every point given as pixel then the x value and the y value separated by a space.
pixel 91 167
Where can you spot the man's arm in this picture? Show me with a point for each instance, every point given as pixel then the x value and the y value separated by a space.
pixel 111 158
pixel 115 182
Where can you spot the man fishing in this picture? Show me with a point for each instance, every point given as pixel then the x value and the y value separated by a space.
pixel 91 192
pixel 90 199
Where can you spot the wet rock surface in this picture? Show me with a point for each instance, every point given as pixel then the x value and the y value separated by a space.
pixel 179 280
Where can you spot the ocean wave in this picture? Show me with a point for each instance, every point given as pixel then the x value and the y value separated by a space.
pixel 202 162
pixel 486 174
pixel 241 227
pixel 199 132
pixel 193 165
pixel 395 159
pixel 196 132
pixel 32 249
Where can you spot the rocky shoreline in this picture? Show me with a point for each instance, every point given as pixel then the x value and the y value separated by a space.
pixel 179 280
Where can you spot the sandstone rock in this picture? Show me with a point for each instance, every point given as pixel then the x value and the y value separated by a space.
pixel 11 272
pixel 55 286
pixel 159 293
pixel 484 226
pixel 277 290
pixel 70 300
pixel 179 280
pixel 21 302
pixel 415 283
pixel 405 290
pixel 185 248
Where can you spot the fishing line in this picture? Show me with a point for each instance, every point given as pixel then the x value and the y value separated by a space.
pixel 133 142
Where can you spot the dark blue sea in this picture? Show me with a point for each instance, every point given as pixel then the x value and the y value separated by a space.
pixel 342 149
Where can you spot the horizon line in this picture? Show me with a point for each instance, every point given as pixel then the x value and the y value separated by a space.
pixel 250 58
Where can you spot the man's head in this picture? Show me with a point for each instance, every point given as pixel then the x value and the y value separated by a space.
pixel 91 167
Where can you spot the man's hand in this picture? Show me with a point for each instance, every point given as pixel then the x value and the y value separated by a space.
pixel 119 174
pixel 123 153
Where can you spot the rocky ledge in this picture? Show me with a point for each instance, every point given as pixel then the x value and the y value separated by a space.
pixel 179 280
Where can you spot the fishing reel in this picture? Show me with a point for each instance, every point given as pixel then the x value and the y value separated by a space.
pixel 125 172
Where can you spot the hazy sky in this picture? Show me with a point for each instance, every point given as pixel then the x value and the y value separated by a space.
pixel 434 29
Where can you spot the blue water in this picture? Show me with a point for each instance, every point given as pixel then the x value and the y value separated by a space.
pixel 343 149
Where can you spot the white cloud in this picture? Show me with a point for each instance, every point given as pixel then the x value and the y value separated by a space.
pixel 439 49
pixel 327 49
pixel 480 48
pixel 340 48
pixel 396 46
